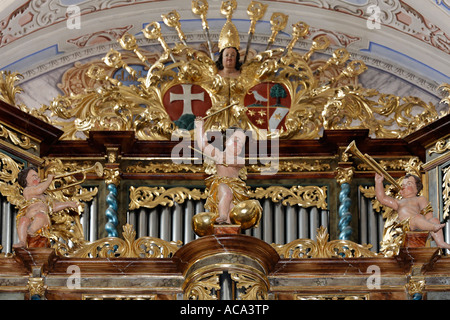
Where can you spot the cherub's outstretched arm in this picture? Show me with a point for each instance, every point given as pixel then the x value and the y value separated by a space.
pixel 381 195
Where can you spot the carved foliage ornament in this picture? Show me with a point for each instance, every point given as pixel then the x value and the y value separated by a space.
pixel 129 247
pixel 283 166
pixel 249 284
pixel 8 90
pixel 446 193
pixel 252 286
pixel 151 197
pixel 322 248
pixel 441 146
pixel 20 140
pixel 204 288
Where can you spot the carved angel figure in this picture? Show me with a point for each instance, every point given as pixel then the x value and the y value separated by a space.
pixel 228 199
pixel 413 212
pixel 43 216
pixel 33 220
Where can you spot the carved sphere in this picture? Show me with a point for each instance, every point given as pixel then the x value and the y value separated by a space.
pixel 246 213
pixel 203 223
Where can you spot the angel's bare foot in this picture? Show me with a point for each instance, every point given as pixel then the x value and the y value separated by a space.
pixel 20 244
pixel 439 227
pixel 442 244
pixel 223 220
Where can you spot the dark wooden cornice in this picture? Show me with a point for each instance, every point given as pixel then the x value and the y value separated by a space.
pixel 420 140
pixel 328 145
pixel 35 128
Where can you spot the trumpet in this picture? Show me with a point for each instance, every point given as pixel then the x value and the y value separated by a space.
pixel 372 163
pixel 97 168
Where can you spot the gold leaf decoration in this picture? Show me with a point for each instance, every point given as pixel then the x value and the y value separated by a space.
pixel 297 195
pixel 446 88
pixel 151 197
pixel 440 147
pixel 21 141
pixel 9 186
pixel 322 248
pixel 129 247
pixel 446 193
pixel 204 288
pixel 169 167
pixel 8 89
pixel 304 196
pixel 254 288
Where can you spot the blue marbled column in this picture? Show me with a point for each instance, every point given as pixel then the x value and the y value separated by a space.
pixel 345 216
pixel 111 211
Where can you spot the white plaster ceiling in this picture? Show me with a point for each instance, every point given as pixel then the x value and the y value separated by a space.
pixel 412 41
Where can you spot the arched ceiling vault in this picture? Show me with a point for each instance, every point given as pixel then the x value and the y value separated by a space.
pixel 407 40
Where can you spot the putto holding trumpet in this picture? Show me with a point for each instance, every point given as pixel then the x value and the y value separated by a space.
pixel 33 219
pixel 413 211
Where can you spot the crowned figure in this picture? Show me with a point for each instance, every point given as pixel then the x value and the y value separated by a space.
pixel 227 83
